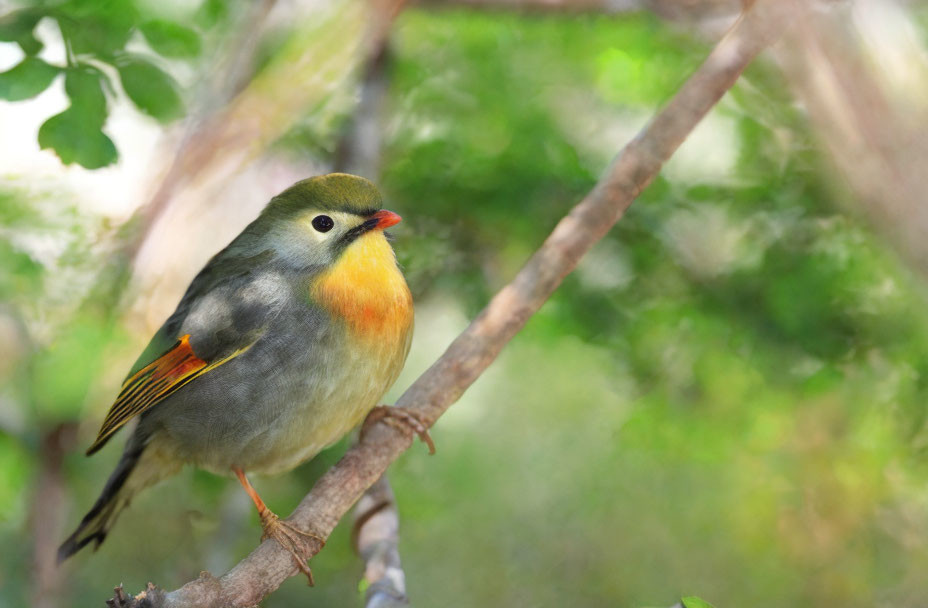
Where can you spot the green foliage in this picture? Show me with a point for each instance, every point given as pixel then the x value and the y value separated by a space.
pixel 96 33
pixel 27 79
pixel 18 27
pixel 171 39
pixel 150 89
pixel 84 87
pixel 77 134
pixel 694 602
pixel 62 373
pixel 16 467
pixel 76 140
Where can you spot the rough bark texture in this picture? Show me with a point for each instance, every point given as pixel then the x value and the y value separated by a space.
pixel 472 352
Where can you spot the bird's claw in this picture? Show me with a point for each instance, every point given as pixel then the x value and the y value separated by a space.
pixel 291 538
pixel 402 418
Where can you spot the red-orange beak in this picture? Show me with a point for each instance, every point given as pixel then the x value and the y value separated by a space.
pixel 385 219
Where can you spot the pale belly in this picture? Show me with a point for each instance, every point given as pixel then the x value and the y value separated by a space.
pixel 335 406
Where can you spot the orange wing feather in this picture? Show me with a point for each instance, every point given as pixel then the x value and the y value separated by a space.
pixel 154 382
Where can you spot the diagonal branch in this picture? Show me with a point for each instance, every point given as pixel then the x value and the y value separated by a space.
pixel 475 349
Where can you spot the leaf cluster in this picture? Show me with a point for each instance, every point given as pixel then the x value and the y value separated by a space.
pixel 97 37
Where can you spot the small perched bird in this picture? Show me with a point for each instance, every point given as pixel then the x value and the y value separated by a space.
pixel 283 343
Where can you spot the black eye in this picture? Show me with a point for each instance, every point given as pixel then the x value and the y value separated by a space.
pixel 323 223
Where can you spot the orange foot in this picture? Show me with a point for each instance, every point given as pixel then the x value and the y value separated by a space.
pixel 283 532
pixel 290 538
pixel 401 418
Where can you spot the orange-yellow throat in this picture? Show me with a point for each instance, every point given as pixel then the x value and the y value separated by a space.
pixel 366 289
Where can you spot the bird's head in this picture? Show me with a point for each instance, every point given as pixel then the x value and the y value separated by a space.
pixel 315 221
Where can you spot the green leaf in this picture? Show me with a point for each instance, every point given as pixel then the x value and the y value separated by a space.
pixel 77 140
pixel 171 39
pixel 694 602
pixel 211 13
pixel 150 89
pixel 18 26
pixel 96 27
pixel 84 86
pixel 27 79
pixel 15 24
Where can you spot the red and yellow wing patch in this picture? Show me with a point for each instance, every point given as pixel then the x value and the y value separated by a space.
pixel 151 384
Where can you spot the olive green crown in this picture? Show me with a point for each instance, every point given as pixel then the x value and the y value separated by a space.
pixel 332 192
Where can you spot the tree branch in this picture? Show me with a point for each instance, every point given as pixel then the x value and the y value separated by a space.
pixel 376 539
pixel 472 352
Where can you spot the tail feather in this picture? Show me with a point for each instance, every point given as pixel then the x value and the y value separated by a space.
pixel 101 517
pixel 142 464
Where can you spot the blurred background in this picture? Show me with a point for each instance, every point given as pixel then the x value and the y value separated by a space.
pixel 727 399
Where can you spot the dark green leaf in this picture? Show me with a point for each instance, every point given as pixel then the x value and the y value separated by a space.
pixel 171 39
pixel 150 89
pixel 18 26
pixel 211 12
pixel 13 25
pixel 84 86
pixel 97 27
pixel 27 79
pixel 77 140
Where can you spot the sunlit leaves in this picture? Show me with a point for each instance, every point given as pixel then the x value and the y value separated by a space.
pixel 75 140
pixel 84 87
pixel 150 89
pixel 27 79
pixel 76 135
pixel 171 39
pixel 18 27
pixel 212 12
pixel 95 34
pixel 98 28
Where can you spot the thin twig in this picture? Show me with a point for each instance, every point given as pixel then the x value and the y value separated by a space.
pixel 475 349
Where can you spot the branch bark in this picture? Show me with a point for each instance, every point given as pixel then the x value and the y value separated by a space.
pixel 475 349
pixel 376 540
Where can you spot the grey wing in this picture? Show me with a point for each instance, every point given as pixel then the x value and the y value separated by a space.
pixel 221 315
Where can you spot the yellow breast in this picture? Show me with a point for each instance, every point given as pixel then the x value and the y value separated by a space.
pixel 366 290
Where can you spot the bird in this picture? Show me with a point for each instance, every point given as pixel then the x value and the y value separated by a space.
pixel 284 342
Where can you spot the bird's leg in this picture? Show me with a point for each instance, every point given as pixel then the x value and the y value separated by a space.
pixel 286 534
pixel 402 418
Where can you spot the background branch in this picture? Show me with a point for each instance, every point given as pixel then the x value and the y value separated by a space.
pixel 472 352
pixel 376 540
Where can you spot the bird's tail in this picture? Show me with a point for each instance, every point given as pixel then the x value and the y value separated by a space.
pixel 139 467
